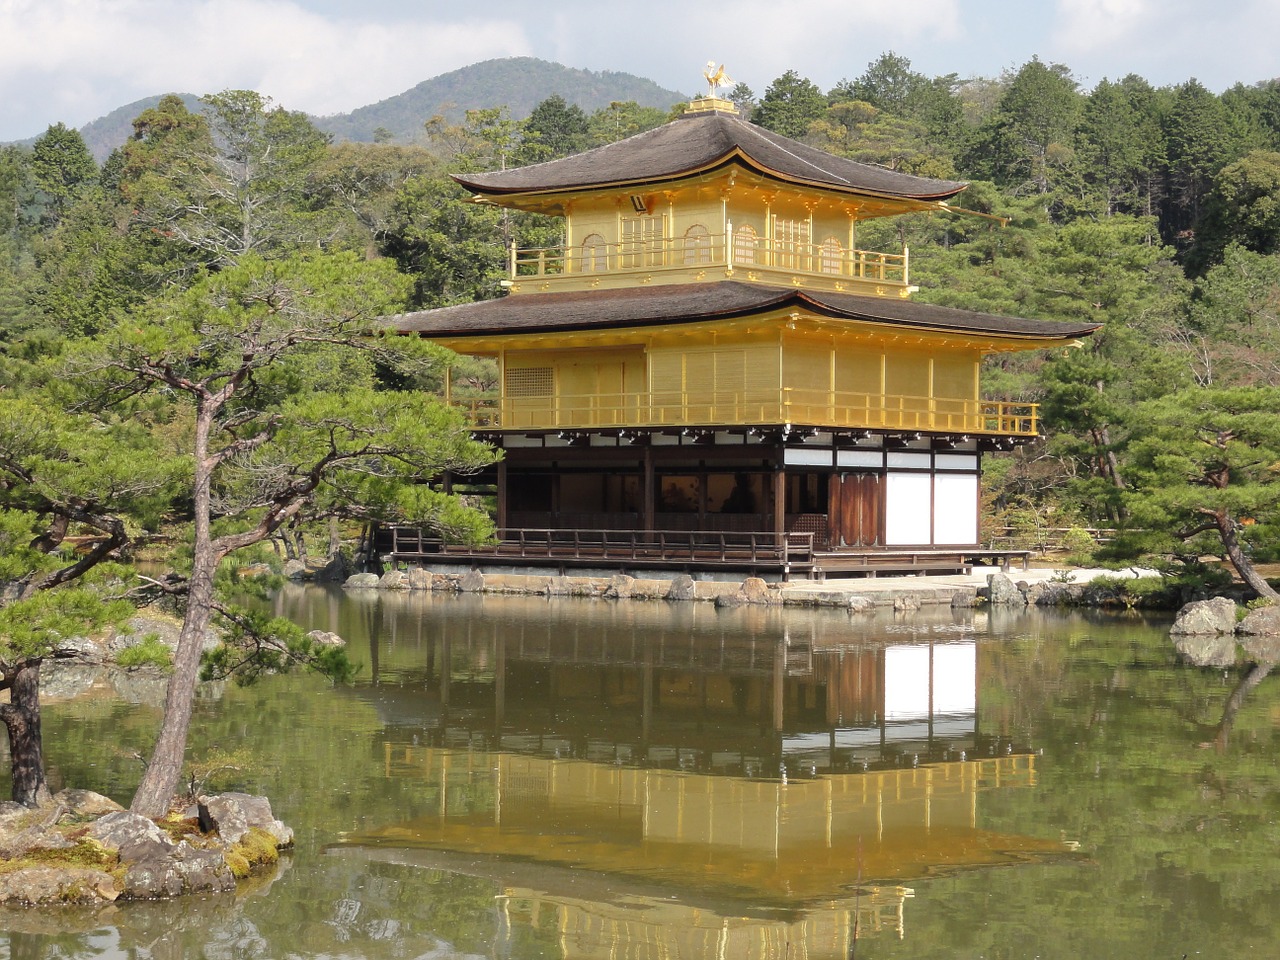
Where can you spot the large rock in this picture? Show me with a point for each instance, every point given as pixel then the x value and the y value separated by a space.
pixel 419 578
pixel 182 869
pixel 1004 591
pixel 57 885
pixel 133 836
pixel 859 604
pixel 1263 622
pixel 472 582
pixel 325 638
pixel 756 590
pixel 1205 618
pixel 682 587
pixel 394 580
pixel 86 803
pixel 620 587
pixel 1054 593
pixel 294 570
pixel 232 814
pixel 23 829
pixel 362 581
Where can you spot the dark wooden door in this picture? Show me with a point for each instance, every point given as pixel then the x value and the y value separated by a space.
pixel 854 510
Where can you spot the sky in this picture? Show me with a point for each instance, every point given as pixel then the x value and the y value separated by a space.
pixel 75 60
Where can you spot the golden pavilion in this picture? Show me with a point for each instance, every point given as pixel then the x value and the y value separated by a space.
pixel 709 372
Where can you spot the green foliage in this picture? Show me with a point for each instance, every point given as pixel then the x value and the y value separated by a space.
pixel 218 768
pixel 147 652
pixel 61 167
pixel 220 186
pixel 1205 468
pixel 789 105
pixel 255 644
pixel 1242 208
pixel 622 119
pixel 554 129
pixel 32 628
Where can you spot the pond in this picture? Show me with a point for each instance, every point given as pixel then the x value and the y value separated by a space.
pixel 532 778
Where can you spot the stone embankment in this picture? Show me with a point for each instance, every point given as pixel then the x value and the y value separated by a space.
pixel 85 848
pixel 898 593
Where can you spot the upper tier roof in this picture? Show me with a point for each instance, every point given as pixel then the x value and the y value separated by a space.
pixel 702 141
pixel 694 302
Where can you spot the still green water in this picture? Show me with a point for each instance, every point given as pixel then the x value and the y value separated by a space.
pixel 524 778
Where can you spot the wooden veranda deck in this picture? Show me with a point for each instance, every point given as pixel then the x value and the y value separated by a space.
pixel 787 555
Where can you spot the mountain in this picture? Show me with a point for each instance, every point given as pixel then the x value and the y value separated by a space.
pixel 103 135
pixel 518 83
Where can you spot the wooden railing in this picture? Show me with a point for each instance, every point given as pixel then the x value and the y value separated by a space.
pixel 633 547
pixel 819 408
pixel 809 259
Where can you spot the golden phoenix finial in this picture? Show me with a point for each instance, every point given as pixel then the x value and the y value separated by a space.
pixel 716 77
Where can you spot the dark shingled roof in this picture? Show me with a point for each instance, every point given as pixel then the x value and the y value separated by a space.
pixel 698 142
pixel 692 302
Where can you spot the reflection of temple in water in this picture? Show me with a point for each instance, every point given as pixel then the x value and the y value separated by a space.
pixel 640 788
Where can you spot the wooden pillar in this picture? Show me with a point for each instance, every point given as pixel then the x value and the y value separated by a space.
pixel 502 497
pixel 779 496
pixel 648 492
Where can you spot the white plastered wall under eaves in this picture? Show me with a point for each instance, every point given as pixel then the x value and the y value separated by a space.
pixel 907 509
pixel 955 508
pixel 940 509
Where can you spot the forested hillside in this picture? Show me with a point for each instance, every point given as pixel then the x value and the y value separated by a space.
pixel 517 83
pixel 184 365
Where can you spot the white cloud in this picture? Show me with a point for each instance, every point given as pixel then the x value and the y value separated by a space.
pixel 1085 25
pixel 1168 41
pixel 78 59
pixel 758 40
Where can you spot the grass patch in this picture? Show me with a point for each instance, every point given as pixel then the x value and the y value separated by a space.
pixel 87 854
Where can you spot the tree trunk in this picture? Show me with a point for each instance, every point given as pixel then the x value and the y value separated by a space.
pixel 1244 566
pixel 164 770
pixel 21 716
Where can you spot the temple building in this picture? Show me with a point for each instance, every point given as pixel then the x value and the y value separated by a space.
pixel 710 371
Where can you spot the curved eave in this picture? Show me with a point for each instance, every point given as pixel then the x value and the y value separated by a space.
pixel 510 196
pixel 552 315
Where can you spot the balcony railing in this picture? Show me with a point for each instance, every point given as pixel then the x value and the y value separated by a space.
pixel 817 408
pixel 827 261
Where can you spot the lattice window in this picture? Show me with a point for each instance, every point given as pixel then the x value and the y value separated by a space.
pixel 831 256
pixel 642 239
pixel 744 245
pixel 530 382
pixel 790 241
pixel 697 244
pixel 595 254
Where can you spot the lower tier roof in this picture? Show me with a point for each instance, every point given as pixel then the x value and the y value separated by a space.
pixel 700 302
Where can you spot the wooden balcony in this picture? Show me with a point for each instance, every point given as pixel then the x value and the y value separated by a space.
pixel 811 408
pixel 783 553
pixel 823 266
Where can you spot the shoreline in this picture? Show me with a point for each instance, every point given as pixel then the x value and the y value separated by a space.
pixel 1040 587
